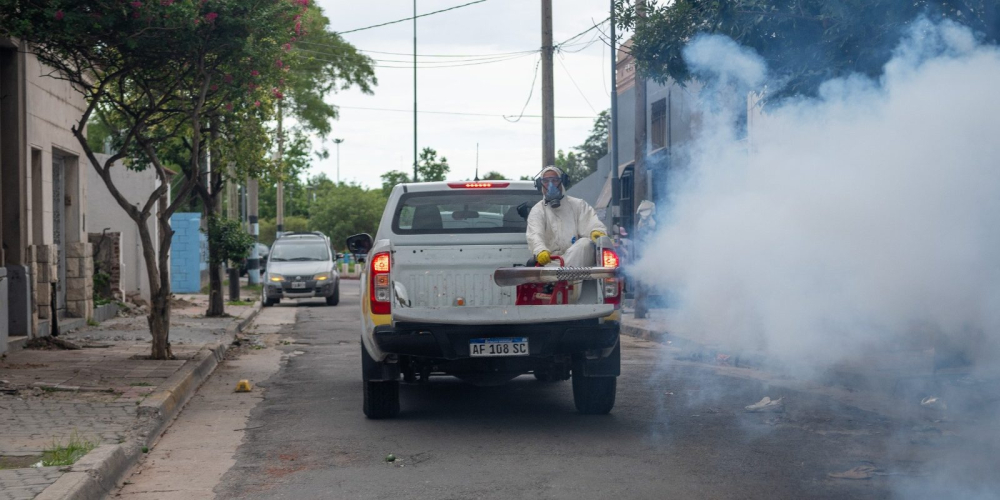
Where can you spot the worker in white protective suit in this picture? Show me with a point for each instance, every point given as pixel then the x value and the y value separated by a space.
pixel 562 225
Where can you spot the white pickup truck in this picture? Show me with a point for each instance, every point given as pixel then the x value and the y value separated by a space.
pixel 430 306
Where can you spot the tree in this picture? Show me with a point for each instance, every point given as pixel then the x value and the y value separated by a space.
pixel 347 209
pixel 148 69
pixel 571 165
pixel 595 146
pixel 804 43
pixel 429 168
pixel 493 175
pixel 390 179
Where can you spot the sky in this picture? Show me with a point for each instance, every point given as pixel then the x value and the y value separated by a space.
pixel 376 142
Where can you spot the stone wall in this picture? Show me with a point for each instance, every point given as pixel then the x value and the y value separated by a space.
pixel 45 273
pixel 108 258
pixel 79 280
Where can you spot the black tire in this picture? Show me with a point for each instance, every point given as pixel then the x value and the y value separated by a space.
pixel 594 395
pixel 381 397
pixel 335 298
pixel 266 302
pixel 543 376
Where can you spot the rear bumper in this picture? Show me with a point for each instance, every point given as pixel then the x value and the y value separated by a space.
pixel 451 342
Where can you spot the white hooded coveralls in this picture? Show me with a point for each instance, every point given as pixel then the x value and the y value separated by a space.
pixel 553 229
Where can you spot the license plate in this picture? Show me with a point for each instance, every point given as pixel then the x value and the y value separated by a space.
pixel 298 284
pixel 507 346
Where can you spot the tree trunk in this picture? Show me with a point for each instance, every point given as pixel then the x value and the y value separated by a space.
pixel 159 326
pixel 213 208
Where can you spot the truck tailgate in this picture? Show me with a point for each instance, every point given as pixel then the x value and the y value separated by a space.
pixel 511 315
pixel 439 276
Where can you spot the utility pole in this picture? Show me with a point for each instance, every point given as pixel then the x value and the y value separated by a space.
pixel 232 192
pixel 414 90
pixel 280 209
pixel 548 108
pixel 253 263
pixel 615 181
pixel 641 175
pixel 337 142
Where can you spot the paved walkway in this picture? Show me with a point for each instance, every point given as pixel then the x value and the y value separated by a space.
pixel 50 397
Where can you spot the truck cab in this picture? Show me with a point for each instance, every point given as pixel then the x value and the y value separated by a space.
pixel 430 306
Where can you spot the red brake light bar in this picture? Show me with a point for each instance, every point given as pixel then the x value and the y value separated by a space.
pixel 477 185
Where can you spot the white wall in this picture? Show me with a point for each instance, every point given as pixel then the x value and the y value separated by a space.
pixel 104 212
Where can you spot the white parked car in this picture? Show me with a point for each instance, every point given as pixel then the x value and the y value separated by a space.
pixel 430 305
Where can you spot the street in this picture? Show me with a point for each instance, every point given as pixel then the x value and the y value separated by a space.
pixel 679 430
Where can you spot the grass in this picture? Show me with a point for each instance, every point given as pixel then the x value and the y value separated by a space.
pixel 239 303
pixel 92 322
pixel 62 455
pixel 140 384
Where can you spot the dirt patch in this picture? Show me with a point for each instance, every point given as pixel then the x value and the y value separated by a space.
pixel 181 303
pixel 21 366
pixel 7 462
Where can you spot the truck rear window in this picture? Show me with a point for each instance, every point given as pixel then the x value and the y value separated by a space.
pixel 463 211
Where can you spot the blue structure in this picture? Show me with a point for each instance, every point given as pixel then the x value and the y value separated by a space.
pixel 186 253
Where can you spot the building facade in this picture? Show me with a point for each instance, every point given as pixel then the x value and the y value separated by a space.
pixel 43 229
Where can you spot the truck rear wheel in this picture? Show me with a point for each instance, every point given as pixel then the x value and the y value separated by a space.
pixel 594 395
pixel 381 397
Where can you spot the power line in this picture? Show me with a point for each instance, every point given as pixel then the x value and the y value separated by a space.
pixel 444 64
pixel 530 93
pixel 432 62
pixel 561 63
pixel 409 18
pixel 458 113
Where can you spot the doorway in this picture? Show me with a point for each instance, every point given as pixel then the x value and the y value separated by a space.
pixel 59 229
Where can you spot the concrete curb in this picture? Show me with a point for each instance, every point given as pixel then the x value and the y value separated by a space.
pixel 99 472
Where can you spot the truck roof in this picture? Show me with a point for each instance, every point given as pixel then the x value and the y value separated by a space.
pixel 419 187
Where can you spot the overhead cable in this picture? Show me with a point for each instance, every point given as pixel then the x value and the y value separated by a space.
pixel 409 18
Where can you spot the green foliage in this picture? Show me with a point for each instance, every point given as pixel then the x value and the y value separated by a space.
pixel 429 168
pixel 269 228
pixel 60 455
pixel 102 286
pixel 296 163
pixel 232 241
pixel 571 165
pixel 391 179
pixel 804 42
pixel 345 210
pixel 595 146
pixel 493 175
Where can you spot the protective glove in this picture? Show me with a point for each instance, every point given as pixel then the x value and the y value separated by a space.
pixel 594 235
pixel 543 258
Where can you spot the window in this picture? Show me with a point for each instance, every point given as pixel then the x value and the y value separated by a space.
pixel 658 124
pixel 301 250
pixel 463 211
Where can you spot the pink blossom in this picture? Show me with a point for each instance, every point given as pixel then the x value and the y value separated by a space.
pixel 277 93
pixel 287 47
pixel 229 106
pixel 256 103
pixel 255 73
pixel 298 27
pixel 304 3
pixel 278 63
pixel 214 88
pixel 210 17
pixel 166 3
pixel 136 5
pixel 59 15
pixel 228 78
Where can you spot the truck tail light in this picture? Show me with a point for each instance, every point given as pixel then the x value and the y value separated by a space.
pixel 379 285
pixel 611 288
pixel 477 185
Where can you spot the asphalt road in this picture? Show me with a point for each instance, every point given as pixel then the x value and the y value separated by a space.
pixel 679 430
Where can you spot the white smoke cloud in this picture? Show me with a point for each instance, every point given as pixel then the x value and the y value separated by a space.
pixel 863 219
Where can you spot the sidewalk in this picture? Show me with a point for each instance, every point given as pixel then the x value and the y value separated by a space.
pixel 105 395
